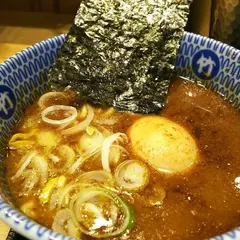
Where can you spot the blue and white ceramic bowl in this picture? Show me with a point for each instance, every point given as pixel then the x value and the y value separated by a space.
pixel 23 79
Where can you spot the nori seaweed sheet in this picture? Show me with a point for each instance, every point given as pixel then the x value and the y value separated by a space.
pixel 121 53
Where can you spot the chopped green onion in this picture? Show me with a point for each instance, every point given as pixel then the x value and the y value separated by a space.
pixel 57 182
pixel 132 175
pixel 107 215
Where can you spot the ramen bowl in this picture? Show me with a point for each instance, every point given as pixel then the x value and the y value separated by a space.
pixel 23 78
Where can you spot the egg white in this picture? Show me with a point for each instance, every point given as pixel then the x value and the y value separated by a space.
pixel 165 145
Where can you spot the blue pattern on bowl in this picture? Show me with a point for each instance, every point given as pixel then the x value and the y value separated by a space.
pixel 224 78
pixel 23 80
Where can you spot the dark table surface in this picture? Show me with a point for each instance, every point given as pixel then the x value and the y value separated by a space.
pixel 14 236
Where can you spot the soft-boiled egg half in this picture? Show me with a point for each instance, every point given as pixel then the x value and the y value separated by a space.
pixel 165 145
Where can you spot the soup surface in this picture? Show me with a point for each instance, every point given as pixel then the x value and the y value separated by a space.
pixel 96 173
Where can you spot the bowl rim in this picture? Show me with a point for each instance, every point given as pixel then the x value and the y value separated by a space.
pixel 31 229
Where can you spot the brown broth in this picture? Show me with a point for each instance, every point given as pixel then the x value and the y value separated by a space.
pixel 199 204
